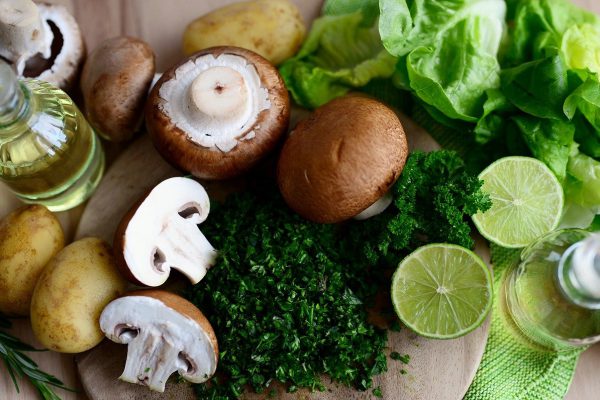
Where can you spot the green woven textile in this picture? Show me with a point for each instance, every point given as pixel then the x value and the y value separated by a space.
pixel 510 370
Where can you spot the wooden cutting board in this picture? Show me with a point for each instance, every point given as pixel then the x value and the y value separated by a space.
pixel 440 370
pixel 161 23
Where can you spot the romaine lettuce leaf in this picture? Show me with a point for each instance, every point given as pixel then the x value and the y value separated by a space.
pixel 447 51
pixel 560 24
pixel 339 53
pixel 549 140
pixel 408 24
pixel 491 124
pixel 538 87
pixel 582 185
pixel 581 47
pixel 369 9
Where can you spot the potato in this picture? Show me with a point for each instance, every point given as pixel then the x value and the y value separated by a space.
pixel 29 237
pixel 272 28
pixel 71 293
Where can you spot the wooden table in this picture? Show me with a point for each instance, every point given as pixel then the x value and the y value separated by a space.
pixel 144 18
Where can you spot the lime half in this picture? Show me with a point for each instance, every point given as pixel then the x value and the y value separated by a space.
pixel 442 291
pixel 527 201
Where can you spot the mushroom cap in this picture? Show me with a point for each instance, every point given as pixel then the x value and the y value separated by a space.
pixel 342 159
pixel 115 81
pixel 164 328
pixel 160 233
pixel 67 49
pixel 213 159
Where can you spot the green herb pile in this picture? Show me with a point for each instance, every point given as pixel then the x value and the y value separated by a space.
pixel 498 77
pixel 431 199
pixel 284 304
pixel 19 365
pixel 288 298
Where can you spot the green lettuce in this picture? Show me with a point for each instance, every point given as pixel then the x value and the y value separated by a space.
pixel 538 87
pixel 341 52
pixel 447 51
pixel 542 24
pixel 583 180
pixel 583 107
pixel 581 47
pixel 549 140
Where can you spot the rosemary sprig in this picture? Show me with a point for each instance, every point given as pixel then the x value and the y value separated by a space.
pixel 19 365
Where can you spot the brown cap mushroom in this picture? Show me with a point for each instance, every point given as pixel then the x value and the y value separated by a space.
pixel 164 334
pixel 217 113
pixel 342 160
pixel 115 82
pixel 160 233
pixel 43 41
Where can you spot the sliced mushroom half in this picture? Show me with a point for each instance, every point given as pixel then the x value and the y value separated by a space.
pixel 43 41
pixel 164 333
pixel 161 233
pixel 217 113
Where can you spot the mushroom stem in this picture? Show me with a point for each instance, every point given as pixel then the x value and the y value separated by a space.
pixel 150 360
pixel 376 208
pixel 220 93
pixel 23 33
pixel 185 248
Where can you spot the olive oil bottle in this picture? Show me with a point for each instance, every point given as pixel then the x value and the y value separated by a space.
pixel 551 300
pixel 49 154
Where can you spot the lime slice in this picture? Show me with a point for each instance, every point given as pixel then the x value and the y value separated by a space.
pixel 442 291
pixel 527 201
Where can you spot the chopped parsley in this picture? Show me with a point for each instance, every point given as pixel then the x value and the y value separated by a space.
pixel 432 200
pixel 288 298
pixel 377 392
pixel 405 359
pixel 284 302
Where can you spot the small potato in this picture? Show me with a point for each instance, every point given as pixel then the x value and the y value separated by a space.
pixel 71 293
pixel 272 28
pixel 29 237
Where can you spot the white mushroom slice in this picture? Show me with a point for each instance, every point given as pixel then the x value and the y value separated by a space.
pixel 161 234
pixel 215 99
pixel 23 32
pixel 165 334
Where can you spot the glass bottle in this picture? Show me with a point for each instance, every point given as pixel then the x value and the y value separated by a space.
pixel 49 154
pixel 552 298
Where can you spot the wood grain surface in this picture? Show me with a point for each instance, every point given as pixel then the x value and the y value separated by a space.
pixel 161 23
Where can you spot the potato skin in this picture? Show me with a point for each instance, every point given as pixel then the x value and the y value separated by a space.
pixel 29 237
pixel 71 293
pixel 272 28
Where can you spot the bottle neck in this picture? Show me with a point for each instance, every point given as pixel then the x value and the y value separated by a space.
pixel 13 99
pixel 579 272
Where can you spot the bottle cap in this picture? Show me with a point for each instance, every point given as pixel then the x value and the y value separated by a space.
pixel 586 265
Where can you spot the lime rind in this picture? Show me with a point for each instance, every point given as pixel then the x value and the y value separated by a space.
pixel 442 291
pixel 525 206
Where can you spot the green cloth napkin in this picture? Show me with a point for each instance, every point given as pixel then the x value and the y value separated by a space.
pixel 510 370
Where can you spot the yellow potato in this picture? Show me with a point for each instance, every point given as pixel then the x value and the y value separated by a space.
pixel 29 237
pixel 71 293
pixel 272 28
